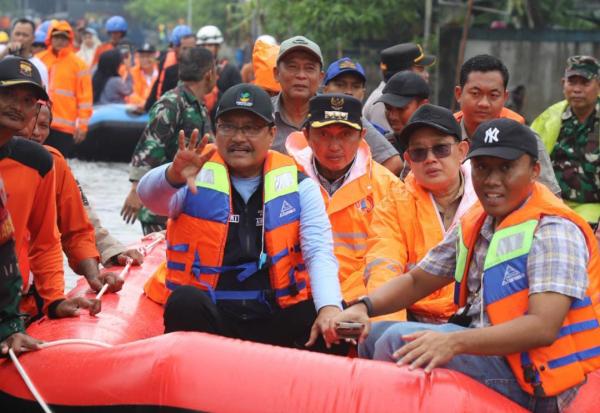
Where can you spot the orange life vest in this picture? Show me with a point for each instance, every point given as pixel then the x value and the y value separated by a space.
pixel 544 371
pixel 350 209
pixel 196 239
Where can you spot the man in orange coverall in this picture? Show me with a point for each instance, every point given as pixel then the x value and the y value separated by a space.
pixel 29 175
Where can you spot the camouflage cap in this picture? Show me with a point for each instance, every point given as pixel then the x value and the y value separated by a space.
pixel 584 66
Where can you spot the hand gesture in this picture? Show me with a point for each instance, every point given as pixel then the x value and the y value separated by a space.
pixel 188 161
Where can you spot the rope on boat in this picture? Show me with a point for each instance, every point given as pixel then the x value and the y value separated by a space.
pixel 121 276
pixel 26 377
pixel 145 250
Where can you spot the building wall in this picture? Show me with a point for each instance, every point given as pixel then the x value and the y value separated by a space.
pixel 534 59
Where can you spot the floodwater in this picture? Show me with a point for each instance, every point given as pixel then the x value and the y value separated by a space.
pixel 106 184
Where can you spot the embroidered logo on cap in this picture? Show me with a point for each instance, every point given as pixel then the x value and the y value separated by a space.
pixel 337 103
pixel 245 99
pixel 25 69
pixel 299 41
pixel 347 64
pixel 491 135
pixel 335 115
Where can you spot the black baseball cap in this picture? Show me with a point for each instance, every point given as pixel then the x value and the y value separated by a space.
pixel 15 70
pixel 503 138
pixel 330 108
pixel 402 88
pixel 146 48
pixel 432 116
pixel 248 97
pixel 403 56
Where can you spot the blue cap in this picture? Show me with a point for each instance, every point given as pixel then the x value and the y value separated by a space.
pixel 344 65
pixel 180 32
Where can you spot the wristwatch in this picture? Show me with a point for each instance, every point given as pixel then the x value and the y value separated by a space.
pixel 366 301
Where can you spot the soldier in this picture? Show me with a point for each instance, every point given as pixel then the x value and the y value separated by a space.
pixel 179 109
pixel 570 130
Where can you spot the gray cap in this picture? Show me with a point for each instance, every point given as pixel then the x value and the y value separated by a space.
pixel 300 43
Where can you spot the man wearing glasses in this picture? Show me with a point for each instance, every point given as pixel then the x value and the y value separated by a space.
pixel 332 151
pixel 245 236
pixel 415 217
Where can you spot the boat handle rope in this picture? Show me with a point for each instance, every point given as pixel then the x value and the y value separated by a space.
pixel 145 250
pixel 27 379
pixel 120 276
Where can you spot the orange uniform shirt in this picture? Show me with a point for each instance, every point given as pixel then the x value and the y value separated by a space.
pixel 29 177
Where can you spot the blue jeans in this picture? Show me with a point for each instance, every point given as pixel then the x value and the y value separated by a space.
pixel 492 371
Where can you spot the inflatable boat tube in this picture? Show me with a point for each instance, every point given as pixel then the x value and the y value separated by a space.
pixel 113 132
pixel 147 371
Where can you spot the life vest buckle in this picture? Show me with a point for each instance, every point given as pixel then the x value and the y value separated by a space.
pixel 293 288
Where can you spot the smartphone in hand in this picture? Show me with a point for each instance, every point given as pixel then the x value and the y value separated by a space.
pixel 348 329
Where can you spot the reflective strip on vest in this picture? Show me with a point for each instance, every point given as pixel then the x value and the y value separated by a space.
pixel 63 121
pixel 505 267
pixel 353 247
pixel 64 92
pixel 84 106
pixel 213 189
pixel 282 201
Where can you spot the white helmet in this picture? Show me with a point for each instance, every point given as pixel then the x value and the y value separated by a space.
pixel 268 39
pixel 209 35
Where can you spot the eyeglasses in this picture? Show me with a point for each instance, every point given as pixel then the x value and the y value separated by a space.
pixel 442 150
pixel 229 130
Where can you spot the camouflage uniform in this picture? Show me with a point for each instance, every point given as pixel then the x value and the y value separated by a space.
pixel 576 157
pixel 576 153
pixel 10 278
pixel 175 110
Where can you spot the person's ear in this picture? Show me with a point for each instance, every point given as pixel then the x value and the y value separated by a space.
pixel 276 73
pixel 363 133
pixel 536 169
pixel 458 93
pixel 463 149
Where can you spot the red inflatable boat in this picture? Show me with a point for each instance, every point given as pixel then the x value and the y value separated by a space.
pixel 146 371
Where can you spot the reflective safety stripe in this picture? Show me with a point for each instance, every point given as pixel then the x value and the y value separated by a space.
pixel 64 92
pixel 279 182
pixel 509 243
pixel 178 247
pixel 353 247
pixel 84 73
pixel 350 235
pixel 462 254
pixel 578 327
pixel 575 357
pixel 84 106
pixel 63 121
pixel 177 266
pixel 213 176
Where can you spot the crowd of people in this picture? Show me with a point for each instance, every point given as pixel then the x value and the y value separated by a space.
pixel 296 215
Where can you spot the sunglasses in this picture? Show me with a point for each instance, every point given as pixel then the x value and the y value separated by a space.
pixel 442 150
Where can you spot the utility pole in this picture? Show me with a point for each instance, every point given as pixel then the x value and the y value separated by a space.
pixel 189 14
pixel 427 25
